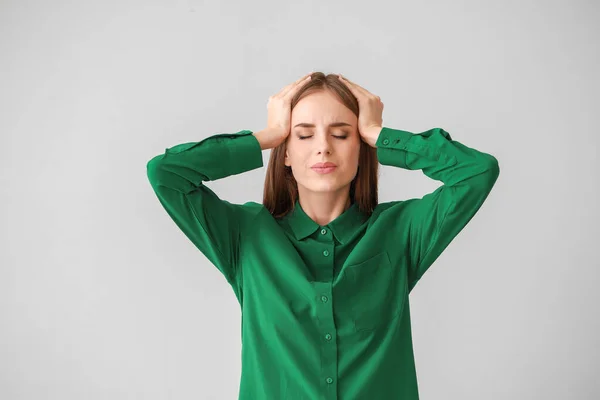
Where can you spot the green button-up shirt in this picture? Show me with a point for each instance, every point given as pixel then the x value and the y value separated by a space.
pixel 325 309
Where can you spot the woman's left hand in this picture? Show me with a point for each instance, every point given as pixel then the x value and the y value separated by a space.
pixel 370 118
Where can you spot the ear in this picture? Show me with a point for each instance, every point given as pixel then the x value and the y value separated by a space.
pixel 287 158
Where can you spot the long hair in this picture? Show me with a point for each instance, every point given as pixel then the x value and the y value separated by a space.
pixel 281 189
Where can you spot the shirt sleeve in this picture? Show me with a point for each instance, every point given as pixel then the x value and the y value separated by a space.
pixel 430 223
pixel 177 177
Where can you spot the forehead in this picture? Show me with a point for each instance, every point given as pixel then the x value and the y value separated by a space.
pixel 321 107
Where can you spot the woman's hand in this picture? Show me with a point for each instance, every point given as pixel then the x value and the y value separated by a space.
pixel 279 118
pixel 370 119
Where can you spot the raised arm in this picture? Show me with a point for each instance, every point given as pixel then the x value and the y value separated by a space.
pixel 430 223
pixel 214 225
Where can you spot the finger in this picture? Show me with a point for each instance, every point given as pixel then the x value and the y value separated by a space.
pixel 353 86
pixel 301 79
pixel 305 76
pixel 289 86
pixel 286 90
pixel 364 92
pixel 295 87
pixel 358 87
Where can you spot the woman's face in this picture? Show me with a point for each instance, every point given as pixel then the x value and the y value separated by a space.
pixel 322 142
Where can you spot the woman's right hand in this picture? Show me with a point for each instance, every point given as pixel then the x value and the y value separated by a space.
pixel 280 111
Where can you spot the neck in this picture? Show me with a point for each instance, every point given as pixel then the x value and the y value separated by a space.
pixel 324 207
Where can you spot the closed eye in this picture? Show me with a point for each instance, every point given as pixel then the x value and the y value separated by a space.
pixel 338 137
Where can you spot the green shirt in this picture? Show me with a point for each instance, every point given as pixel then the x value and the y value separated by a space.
pixel 324 309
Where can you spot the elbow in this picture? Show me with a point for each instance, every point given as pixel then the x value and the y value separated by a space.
pixel 492 171
pixel 494 166
pixel 154 169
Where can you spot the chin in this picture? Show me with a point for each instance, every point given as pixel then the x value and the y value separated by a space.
pixel 331 186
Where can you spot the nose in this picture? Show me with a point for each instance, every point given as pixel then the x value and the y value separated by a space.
pixel 323 143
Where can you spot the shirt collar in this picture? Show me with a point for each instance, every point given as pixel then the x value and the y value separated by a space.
pixel 343 227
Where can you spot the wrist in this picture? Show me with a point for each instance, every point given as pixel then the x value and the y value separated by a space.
pixel 269 138
pixel 372 134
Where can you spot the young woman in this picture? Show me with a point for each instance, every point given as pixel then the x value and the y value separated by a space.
pixel 321 270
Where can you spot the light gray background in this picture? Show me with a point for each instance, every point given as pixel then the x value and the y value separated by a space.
pixel 102 297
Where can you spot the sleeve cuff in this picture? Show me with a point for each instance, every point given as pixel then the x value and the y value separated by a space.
pixel 245 154
pixel 390 140
pixel 395 138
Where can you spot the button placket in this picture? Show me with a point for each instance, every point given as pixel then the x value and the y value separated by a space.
pixel 325 311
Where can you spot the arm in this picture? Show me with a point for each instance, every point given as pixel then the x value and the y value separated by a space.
pixel 177 177
pixel 430 223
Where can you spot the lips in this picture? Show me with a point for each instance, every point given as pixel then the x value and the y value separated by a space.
pixel 324 168
pixel 323 165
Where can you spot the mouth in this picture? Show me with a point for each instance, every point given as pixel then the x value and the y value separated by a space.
pixel 323 170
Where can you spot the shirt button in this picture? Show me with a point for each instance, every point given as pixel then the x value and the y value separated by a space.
pixel 323 231
pixel 325 253
pixel 329 380
pixel 324 299
pixel 328 336
pixel 386 141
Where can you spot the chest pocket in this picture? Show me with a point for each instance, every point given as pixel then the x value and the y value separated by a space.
pixel 371 293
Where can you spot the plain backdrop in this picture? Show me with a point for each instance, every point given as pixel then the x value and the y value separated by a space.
pixel 101 295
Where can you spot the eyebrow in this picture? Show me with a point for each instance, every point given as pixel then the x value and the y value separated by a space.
pixel 332 125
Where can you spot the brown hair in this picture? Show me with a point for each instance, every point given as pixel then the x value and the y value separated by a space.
pixel 281 189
